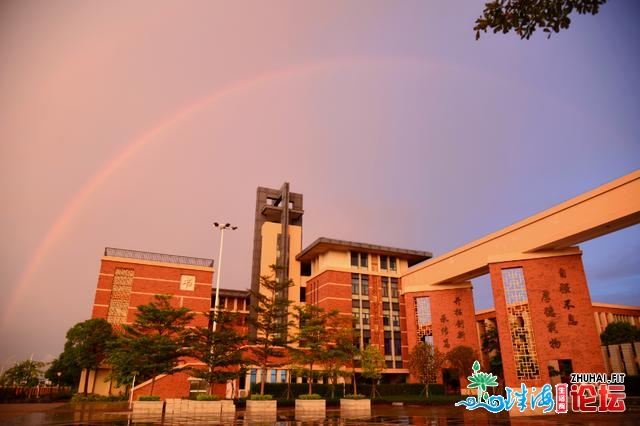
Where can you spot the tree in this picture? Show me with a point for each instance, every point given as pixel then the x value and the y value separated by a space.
pixel 270 320
pixel 372 366
pixel 26 373
pixel 524 16
pixel 491 345
pixel 339 352
pixel 153 344
pixel 314 338
pixel 425 362
pixel 86 347
pixel 461 358
pixel 620 332
pixel 219 350
pixel 63 371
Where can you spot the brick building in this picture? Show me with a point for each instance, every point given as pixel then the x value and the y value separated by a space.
pixel 363 281
pixel 399 297
pixel 130 278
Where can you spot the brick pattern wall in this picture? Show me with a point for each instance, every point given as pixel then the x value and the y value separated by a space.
pixel 453 318
pixel 149 280
pixel 561 316
pixel 331 290
pixel 165 386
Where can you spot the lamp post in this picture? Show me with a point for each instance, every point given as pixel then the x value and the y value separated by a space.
pixel 226 226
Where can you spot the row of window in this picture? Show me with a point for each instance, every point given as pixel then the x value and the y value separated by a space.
pixel 360 285
pixel 361 260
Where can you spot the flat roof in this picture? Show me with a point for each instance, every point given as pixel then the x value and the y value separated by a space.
pixel 322 245
pixel 228 292
pixel 158 257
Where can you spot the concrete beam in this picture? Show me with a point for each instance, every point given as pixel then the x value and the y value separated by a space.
pixel 553 232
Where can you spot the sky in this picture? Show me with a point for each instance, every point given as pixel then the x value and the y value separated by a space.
pixel 138 124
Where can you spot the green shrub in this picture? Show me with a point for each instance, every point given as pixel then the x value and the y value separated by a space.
pixel 354 396
pixel 79 398
pixel 149 398
pixel 207 397
pixel 258 397
pixel 436 389
pixel 310 396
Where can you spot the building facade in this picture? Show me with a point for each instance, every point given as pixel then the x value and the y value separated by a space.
pixel 130 278
pixel 543 316
pixel 363 281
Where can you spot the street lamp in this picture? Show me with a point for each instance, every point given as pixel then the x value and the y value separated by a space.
pixel 222 228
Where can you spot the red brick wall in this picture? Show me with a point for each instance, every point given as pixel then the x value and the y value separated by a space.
pixel 453 321
pixel 561 313
pixel 150 280
pixel 453 318
pixel 169 386
pixel 331 290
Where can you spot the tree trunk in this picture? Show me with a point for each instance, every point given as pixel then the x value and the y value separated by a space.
pixel 355 386
pixel 263 378
pixel 153 383
pixel 86 381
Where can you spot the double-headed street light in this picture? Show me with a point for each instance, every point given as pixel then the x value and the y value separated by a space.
pixel 222 228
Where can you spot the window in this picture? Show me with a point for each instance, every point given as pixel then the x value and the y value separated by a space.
pixel 355 284
pixel 303 294
pixel 283 376
pixel 384 262
pixel 359 259
pixel 396 320
pixel 365 318
pixel 365 304
pixel 384 282
pixel 392 263
pixel 253 376
pixel 519 316
pixel 423 310
pixel 394 287
pixel 355 303
pixel 387 343
pixel 364 289
pixel 385 319
pixel 274 376
pixel 397 347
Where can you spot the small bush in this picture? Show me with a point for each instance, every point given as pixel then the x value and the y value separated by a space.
pixel 310 396
pixel 436 389
pixel 354 396
pixel 149 398
pixel 79 398
pixel 207 397
pixel 261 397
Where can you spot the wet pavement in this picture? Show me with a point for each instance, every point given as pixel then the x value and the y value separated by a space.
pixel 118 414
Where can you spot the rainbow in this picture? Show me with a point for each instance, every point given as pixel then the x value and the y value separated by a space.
pixel 149 135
